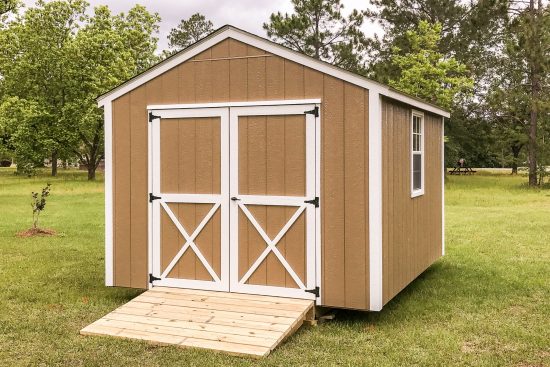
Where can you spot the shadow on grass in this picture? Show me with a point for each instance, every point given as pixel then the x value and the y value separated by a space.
pixel 441 290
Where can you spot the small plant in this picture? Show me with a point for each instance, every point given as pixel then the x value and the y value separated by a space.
pixel 38 204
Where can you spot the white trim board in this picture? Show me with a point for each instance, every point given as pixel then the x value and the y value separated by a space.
pixel 375 202
pixel 283 102
pixel 273 48
pixel 109 255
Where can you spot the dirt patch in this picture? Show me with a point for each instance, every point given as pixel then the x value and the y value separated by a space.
pixel 34 232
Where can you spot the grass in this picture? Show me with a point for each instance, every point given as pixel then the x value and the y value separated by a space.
pixel 486 303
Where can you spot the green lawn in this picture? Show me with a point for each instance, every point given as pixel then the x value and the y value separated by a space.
pixel 486 303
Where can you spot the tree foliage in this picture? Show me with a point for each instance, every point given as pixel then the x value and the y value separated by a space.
pixel 319 29
pixel 56 61
pixel 8 6
pixel 189 31
pixel 426 73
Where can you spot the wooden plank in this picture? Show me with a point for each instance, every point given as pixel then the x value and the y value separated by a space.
pixel 259 325
pixel 192 325
pixel 187 170
pixel 220 72
pixel 295 185
pixel 209 306
pixel 333 211
pixel 294 80
pixel 257 185
pixel 121 192
pixel 276 215
pixel 238 71
pixel 156 309
pixel 183 332
pixel 219 299
pixel 241 296
pixel 275 74
pixel 164 339
pixel 355 198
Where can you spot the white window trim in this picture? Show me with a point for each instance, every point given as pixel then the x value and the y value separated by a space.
pixel 416 193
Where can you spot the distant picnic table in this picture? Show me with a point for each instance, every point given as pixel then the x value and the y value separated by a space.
pixel 462 171
pixel 462 168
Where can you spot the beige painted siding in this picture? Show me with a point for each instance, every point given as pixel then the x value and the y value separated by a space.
pixel 254 75
pixel 411 237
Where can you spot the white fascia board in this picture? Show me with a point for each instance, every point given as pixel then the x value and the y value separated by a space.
pixel 275 49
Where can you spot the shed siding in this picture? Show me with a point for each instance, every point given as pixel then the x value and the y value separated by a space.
pixel 248 74
pixel 411 237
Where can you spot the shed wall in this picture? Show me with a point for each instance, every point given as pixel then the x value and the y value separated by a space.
pixel 411 238
pixel 233 71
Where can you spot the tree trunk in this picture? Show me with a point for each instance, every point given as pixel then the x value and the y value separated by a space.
pixel 91 172
pixel 54 163
pixel 516 149
pixel 534 81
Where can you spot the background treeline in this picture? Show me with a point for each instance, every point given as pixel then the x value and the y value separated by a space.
pixel 487 61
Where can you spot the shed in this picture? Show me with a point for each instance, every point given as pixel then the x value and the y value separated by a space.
pixel 239 165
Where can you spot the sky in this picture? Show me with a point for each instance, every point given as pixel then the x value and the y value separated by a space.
pixel 246 14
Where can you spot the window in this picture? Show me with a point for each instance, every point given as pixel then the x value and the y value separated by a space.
pixel 417 154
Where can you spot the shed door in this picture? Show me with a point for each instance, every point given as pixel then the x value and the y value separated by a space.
pixel 272 177
pixel 190 187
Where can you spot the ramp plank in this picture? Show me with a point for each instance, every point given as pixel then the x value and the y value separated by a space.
pixel 238 324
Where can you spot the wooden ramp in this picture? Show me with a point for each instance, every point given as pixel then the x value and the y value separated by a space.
pixel 239 324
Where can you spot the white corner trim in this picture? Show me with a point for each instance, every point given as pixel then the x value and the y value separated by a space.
pixel 275 49
pixel 375 201
pixel 420 192
pixel 108 177
pixel 442 186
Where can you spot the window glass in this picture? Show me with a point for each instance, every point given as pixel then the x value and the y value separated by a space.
pixel 417 171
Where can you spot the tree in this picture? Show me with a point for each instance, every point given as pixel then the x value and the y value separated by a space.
pixel 59 59
pixel 22 134
pixel 425 73
pixel 530 41
pixel 188 32
pixel 34 64
pixel 93 72
pixel 468 30
pixel 8 6
pixel 518 97
pixel 317 28
pixel 137 30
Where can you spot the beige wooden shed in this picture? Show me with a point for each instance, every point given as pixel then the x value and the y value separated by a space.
pixel 241 166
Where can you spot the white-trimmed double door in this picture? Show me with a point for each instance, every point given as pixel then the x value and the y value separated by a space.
pixel 233 198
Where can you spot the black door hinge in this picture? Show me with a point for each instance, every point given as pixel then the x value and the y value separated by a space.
pixel 152 117
pixel 315 291
pixel 152 278
pixel 313 201
pixel 314 111
pixel 153 197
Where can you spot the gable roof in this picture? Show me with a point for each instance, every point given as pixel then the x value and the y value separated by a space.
pixel 229 31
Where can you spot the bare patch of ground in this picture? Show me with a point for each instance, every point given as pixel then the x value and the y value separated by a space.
pixel 34 232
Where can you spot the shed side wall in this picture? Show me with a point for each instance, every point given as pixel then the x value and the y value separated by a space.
pixel 411 237
pixel 344 157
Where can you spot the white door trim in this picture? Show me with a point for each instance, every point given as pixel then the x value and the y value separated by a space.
pixel 237 284
pixel 219 202
pixel 283 102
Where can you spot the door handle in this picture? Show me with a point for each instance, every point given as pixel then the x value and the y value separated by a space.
pixel 234 198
